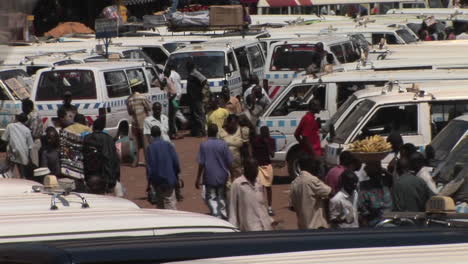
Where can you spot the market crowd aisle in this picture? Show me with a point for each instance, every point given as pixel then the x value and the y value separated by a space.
pixel 187 149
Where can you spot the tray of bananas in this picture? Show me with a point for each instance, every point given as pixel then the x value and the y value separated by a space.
pixel 371 148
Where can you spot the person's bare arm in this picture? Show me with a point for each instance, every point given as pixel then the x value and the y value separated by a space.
pixel 201 168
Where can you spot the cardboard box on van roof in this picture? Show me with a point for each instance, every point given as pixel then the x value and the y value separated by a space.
pixel 228 15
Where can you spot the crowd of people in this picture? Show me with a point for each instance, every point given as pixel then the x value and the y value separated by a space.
pixel 235 171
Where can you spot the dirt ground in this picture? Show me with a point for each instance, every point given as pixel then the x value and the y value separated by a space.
pixel 134 179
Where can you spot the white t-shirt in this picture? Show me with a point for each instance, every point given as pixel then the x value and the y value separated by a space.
pixel 150 122
pixel 249 91
pixel 343 207
pixel 20 142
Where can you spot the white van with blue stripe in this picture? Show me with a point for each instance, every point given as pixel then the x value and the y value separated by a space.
pixel 223 62
pixel 288 59
pixel 333 91
pixel 98 89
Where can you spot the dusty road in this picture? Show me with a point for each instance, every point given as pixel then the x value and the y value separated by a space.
pixel 187 148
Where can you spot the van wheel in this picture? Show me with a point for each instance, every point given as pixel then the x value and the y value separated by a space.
pixel 293 163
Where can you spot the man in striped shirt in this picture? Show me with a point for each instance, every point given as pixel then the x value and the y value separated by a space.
pixel 138 107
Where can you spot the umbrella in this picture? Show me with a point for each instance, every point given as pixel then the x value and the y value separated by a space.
pixel 69 28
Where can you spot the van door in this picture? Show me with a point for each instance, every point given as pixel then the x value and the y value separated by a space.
pixel 284 115
pixel 257 61
pixel 234 75
pixel 117 91
pixel 155 91
pixel 244 65
pixel 9 106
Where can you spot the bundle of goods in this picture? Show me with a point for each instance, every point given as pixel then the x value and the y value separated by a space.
pixel 371 148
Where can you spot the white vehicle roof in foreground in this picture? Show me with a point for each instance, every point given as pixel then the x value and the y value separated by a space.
pixel 402 76
pixel 326 39
pixel 447 253
pixel 89 223
pixel 41 202
pixel 429 11
pixel 16 186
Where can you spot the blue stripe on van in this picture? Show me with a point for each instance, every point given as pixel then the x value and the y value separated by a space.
pixel 285 76
pixel 281 123
pixel 97 106
pixel 268 76
pixel 293 123
pixel 86 106
pixel 40 107
pixel 50 107
pixel 269 123
pixel 277 76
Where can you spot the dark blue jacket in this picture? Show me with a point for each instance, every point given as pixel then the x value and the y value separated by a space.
pixel 163 163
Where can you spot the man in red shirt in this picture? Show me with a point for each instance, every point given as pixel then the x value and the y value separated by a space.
pixel 308 131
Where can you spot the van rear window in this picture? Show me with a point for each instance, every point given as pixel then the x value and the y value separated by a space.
pixel 53 84
pixel 294 57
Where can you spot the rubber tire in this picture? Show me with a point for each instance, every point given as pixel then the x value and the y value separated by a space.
pixel 293 166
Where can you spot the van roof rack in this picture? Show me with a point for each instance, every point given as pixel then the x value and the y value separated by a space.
pixel 64 53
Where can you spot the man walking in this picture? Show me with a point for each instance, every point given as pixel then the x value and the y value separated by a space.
pixel 138 107
pixel 101 161
pixel 308 196
pixel 19 143
pixel 196 91
pixel 214 165
pixel 343 206
pixel 163 170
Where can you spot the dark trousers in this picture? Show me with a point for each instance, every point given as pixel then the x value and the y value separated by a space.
pixel 198 118
pixel 172 118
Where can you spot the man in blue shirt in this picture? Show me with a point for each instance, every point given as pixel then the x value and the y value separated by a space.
pixel 214 163
pixel 163 170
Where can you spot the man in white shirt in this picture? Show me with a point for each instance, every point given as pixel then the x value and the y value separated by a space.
pixel 174 93
pixel 157 119
pixel 254 82
pixel 343 206
pixel 423 172
pixel 18 137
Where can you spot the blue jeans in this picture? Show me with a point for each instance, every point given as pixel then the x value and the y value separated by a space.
pixel 215 198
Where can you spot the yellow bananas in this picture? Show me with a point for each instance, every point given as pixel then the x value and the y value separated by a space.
pixel 371 144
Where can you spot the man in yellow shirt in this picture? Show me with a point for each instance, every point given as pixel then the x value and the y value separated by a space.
pixel 218 114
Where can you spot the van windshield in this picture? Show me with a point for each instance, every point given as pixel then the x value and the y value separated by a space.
pixel 342 109
pixel 355 116
pixel 209 63
pixel 448 137
pixel 406 36
pixel 446 170
pixel 294 57
pixel 52 85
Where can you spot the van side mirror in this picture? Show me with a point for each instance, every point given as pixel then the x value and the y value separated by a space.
pixel 227 70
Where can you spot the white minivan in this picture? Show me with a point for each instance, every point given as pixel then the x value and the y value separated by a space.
pixel 333 91
pixel 98 89
pixel 227 62
pixel 420 116
pixel 288 59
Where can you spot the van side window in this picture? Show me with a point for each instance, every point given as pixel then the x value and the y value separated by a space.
pixel 391 39
pixel 350 53
pixel 444 112
pixel 295 100
pixel 137 77
pixel 338 51
pixel 156 54
pixel 376 37
pixel 401 117
pixel 232 62
pixel 3 93
pixel 345 90
pixel 255 57
pixel 152 76
pixel 117 84
pixel 52 85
